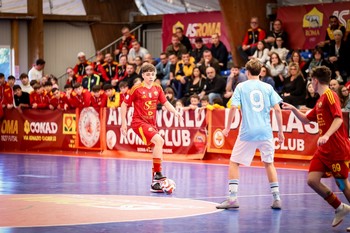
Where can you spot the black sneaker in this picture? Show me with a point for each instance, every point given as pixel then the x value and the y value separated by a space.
pixel 158 176
pixel 156 186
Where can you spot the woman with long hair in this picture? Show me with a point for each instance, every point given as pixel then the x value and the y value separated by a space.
pixel 294 86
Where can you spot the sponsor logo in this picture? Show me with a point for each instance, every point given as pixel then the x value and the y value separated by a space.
pixel 69 124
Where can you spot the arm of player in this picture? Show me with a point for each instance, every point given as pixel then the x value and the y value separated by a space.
pixel 123 110
pixel 171 108
pixel 231 117
pixel 337 122
pixel 301 116
pixel 278 113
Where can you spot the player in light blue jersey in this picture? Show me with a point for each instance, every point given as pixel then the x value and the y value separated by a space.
pixel 255 98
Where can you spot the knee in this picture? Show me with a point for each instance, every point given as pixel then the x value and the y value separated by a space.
pixel 312 182
pixel 159 141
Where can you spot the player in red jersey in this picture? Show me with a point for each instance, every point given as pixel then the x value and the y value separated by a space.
pixel 332 154
pixel 145 97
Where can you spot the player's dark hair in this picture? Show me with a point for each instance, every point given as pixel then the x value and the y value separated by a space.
pixel 322 74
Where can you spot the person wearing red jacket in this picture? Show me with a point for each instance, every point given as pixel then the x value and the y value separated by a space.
pixel 38 100
pixel 109 70
pixel 80 97
pixel 98 98
pixel 79 69
pixel 251 39
pixel 3 86
pixel 8 101
pixel 58 100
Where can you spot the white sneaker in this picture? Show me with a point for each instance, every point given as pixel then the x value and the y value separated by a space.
pixel 340 214
pixel 228 204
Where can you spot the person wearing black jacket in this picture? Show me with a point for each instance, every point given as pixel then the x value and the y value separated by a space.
pixel 219 51
pixel 183 39
pixel 214 86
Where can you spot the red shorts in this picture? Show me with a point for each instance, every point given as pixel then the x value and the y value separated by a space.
pixel 145 131
pixel 339 169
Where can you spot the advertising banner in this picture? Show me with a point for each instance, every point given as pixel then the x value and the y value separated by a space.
pixel 185 139
pixel 38 129
pixel 201 24
pixel 307 25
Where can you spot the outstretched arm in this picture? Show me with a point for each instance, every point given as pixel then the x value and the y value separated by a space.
pixel 301 116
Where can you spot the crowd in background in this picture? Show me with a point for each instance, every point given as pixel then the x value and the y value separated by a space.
pixel 191 77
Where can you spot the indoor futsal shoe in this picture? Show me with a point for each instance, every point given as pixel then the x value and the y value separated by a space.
pixel 276 205
pixel 228 204
pixel 340 214
pixel 156 186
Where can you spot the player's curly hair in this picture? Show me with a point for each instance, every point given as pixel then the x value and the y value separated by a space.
pixel 253 66
pixel 322 74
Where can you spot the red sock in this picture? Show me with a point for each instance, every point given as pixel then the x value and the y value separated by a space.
pixel 333 200
pixel 157 165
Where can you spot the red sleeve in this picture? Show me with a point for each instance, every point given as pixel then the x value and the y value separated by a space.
pixel 262 34
pixel 246 39
pixel 54 102
pixel 129 98
pixel 8 97
pixel 32 98
pixel 103 100
pixel 87 99
pixel 312 115
pixel 103 73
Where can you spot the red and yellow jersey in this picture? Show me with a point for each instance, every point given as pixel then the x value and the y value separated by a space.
pixel 60 102
pixel 8 95
pixel 328 108
pixel 145 102
pixel 3 87
pixel 100 101
pixel 41 100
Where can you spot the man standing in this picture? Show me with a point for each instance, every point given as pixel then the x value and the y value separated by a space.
pixel 255 100
pixel 183 39
pixel 36 72
pixel 333 147
pixel 219 51
pixel 144 97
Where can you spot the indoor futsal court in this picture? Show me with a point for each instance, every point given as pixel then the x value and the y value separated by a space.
pixel 46 193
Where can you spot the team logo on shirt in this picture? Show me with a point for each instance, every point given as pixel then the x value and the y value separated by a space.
pixel 320 104
pixel 150 129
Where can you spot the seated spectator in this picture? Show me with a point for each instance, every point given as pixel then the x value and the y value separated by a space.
pixel 109 69
pixel 316 60
pixel 80 97
pixel 194 103
pixel 36 72
pixel 183 71
pixel 8 101
pixel 71 78
pixel 90 79
pixel 98 98
pixel 209 60
pixel 338 56
pixel 124 52
pixel 54 81
pixel 79 68
pixel 99 61
pixel 265 76
pixel 278 70
pixel 127 39
pixel 334 85
pixel 22 99
pixel 25 85
pixel 130 75
pixel 38 99
pixel 113 97
pixel 233 80
pixel 170 96
pixel 277 31
pixel 214 86
pixel 173 61
pixel 195 84
pixel 204 101
pixel 48 89
pixel 58 100
pixel 344 98
pixel 148 58
pixel 334 24
pixel 135 51
pixel 261 53
pixel 197 51
pixel 68 90
pixel 219 51
pixel 294 87
pixel 179 105
pixel 123 61
pixel 296 57
pixel 251 38
pixel 311 97
pixel 175 47
pixel 183 39
pixel 163 71
pixel 138 64
pixel 280 49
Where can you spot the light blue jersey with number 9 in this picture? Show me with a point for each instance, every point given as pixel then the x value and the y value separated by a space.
pixel 255 99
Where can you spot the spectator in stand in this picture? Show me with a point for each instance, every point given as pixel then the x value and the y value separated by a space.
pixel 163 71
pixel 195 84
pixel 113 97
pixel 126 41
pixel 339 56
pixel 179 105
pixel 219 51
pixel 209 60
pixel 71 78
pixel 109 70
pixel 277 31
pixel 138 64
pixel 261 53
pixel 131 75
pixel 183 71
pixel 68 90
pixel 79 68
pixel 22 99
pixel 232 81
pixel 344 98
pixel 124 88
pixel 80 97
pixel 99 61
pixel 98 98
pixel 137 81
pixel 8 92
pixel 54 81
pixel 251 38
pixel 38 99
pixel 334 24
pixel 214 86
pixel 278 70
pixel 294 87
pixel 280 49
pixel 90 79
pixel 123 61
pixel 25 85
pixel 265 76
pixel 197 51
pixel 311 97
pixel 48 89
pixel 194 103
pixel 183 39
pixel 175 47
pixel 316 60
pixel 334 85
pixel 36 72
pixel 173 61
pixel 124 51
pixel 170 95
pixel 58 100
pixel 135 51
pixel 3 87
pixel 148 58
pixel 296 57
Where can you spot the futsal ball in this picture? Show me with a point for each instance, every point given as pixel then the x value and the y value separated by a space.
pixel 168 186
